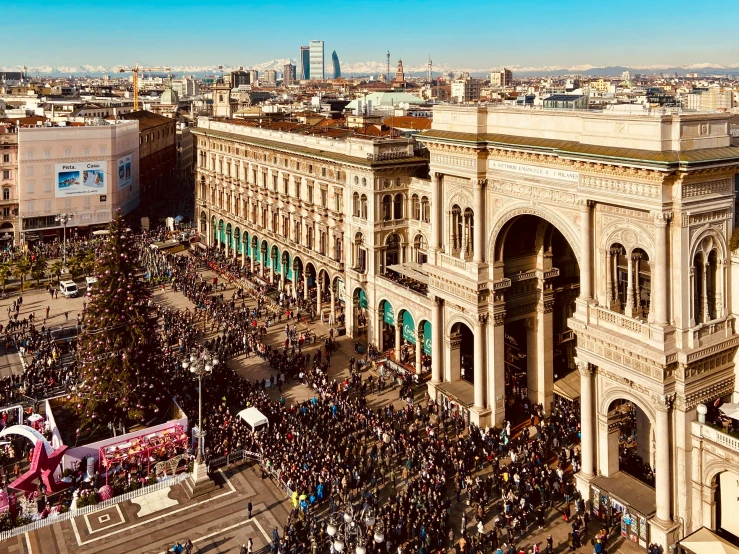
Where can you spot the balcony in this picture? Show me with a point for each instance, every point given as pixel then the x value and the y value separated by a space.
pixel 640 330
pixel 710 332
pixel 719 437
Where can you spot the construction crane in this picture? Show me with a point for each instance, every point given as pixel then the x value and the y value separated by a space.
pixel 135 70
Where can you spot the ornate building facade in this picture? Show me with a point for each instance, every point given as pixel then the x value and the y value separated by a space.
pixel 551 253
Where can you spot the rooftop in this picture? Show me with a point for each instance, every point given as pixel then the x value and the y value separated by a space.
pixel 146 119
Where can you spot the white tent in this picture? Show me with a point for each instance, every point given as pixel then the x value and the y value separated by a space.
pixel 253 418
pixel 730 410
pixel 704 541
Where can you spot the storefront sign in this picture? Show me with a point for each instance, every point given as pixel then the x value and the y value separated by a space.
pixel 389 316
pixel 427 338
pixel 363 300
pixel 535 171
pixel 409 328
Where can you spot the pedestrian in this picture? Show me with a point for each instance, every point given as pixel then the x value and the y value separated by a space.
pixel 188 547
pixel 249 546
pixel 248 509
pixel 66 316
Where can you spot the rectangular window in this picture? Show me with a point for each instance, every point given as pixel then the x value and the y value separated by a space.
pixel 47 170
pixel 29 206
pixel 103 150
pixel 337 202
pixel 324 198
pixel 298 185
pixel 6 212
pixel 309 197
pixel 285 182
pixel 6 174
pixel 323 171
pixel 67 152
pixel 47 186
pixel 86 202
pixel 85 151
pixel 29 187
pixel 29 171
pixel 6 158
pixel 47 205
pixel 29 155
pixel 67 203
pixel 47 153
pixel 274 183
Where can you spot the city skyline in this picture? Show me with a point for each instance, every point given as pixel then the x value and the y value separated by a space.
pixel 563 36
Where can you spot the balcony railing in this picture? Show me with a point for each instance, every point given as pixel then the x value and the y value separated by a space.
pixel 708 432
pixel 653 334
pixel 707 333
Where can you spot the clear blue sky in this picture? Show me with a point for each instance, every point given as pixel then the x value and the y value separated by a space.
pixel 469 34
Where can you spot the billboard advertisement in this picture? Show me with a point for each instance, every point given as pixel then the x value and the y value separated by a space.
pixel 81 179
pixel 125 171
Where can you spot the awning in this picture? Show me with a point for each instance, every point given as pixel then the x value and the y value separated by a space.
pixel 101 232
pixel 253 417
pixel 201 245
pixel 568 386
pixel 411 270
pixel 705 541
pixel 730 410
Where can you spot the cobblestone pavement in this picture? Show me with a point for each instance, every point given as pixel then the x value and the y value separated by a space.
pixel 218 522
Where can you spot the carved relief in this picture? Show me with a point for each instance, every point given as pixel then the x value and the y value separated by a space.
pixel 521 190
pixel 692 190
pixel 620 187
pixel 706 217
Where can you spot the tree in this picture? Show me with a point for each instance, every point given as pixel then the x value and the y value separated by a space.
pixel 6 269
pixel 87 262
pixel 56 270
pixel 119 355
pixel 21 269
pixel 38 269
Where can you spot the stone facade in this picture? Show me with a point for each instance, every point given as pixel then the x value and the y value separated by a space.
pixel 549 242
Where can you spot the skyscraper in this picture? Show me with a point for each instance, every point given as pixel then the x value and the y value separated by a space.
pixel 316 60
pixel 288 76
pixel 304 63
pixel 337 67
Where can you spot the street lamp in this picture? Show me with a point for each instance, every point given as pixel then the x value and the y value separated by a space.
pixel 345 530
pixel 200 364
pixel 64 219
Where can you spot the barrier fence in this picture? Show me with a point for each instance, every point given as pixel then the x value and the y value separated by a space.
pixel 52 519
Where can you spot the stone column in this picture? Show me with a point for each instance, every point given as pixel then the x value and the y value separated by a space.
pixel 609 278
pixel 398 337
pixel 451 244
pixel 333 305
pixel 296 278
pixel 629 308
pixel 419 350
pixel 306 292
pixel 693 315
pixel 272 271
pixel 478 244
pixel 253 259
pixel 586 418
pixel 234 253
pixel 496 387
pixel 435 211
pixel 437 341
pixel 479 363
pixel 243 253
pixel 662 458
pixel 380 334
pixel 319 298
pixel 706 316
pixel 586 292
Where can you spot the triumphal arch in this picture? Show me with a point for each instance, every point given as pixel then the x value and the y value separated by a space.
pixel 585 255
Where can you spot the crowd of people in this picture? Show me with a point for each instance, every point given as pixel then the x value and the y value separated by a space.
pixel 412 467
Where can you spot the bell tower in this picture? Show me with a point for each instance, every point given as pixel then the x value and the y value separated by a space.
pixel 222 106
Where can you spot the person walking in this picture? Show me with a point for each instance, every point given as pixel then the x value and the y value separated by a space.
pixel 248 509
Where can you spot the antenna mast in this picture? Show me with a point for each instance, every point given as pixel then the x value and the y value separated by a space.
pixel 387 75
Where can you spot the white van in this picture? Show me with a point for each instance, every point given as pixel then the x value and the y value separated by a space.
pixel 68 288
pixel 90 281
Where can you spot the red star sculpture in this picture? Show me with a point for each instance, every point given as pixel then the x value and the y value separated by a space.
pixel 43 466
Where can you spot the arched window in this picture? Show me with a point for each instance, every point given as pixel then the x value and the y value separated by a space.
pixel 387 213
pixel 392 251
pixel 364 181
pixel 322 243
pixel 355 204
pixel 309 237
pixel 363 207
pixel 356 180
pixel 425 211
pixel 398 206
pixel 421 246
pixel 416 207
pixel 359 253
pixel 708 276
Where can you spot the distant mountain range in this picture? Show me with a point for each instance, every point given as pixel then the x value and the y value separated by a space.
pixel 417 70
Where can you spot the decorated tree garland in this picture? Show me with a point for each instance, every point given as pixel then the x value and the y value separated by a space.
pixel 120 353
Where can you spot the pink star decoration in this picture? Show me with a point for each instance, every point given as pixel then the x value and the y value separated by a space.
pixel 43 466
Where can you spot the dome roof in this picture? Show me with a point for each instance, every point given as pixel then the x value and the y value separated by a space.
pixel 169 97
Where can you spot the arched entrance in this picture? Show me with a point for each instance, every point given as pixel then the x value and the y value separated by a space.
pixel 359 314
pixel 287 272
pixel 301 284
pixel 311 278
pixel 214 231
pixel 539 348
pixel 631 440
pixel 385 326
pixel 462 346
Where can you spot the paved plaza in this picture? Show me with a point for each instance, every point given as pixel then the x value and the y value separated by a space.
pixel 218 521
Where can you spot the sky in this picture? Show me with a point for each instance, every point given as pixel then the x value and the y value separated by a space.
pixel 481 35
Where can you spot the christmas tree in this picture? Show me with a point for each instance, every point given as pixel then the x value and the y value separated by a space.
pixel 120 353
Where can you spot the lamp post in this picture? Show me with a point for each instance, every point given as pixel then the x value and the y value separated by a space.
pixel 346 531
pixel 64 219
pixel 200 364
